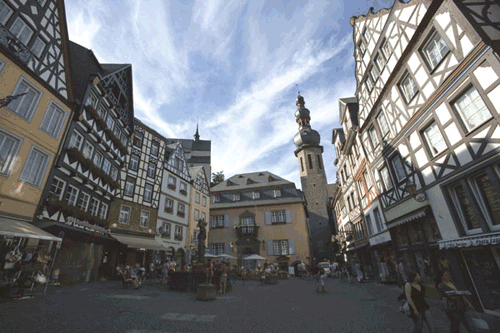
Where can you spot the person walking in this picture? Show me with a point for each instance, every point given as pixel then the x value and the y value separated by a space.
pixel 359 272
pixel 223 278
pixel 415 294
pixel 164 272
pixel 322 278
pixel 453 306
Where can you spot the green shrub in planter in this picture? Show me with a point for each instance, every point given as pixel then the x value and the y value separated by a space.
pixel 206 292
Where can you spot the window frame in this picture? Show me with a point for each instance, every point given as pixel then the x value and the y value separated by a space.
pixel 197 197
pixel 79 136
pixel 68 194
pixel 480 196
pixel 204 201
pixel 8 16
pixel 425 136
pixel 386 169
pixel 278 216
pixel 138 138
pixel 108 169
pixel 141 219
pixel 86 144
pixel 458 209
pixel 94 208
pixel 407 75
pixel 153 172
pixel 459 114
pixel 424 53
pixel 151 192
pixel 83 201
pixel 101 215
pixel 30 113
pixel 372 132
pixel 283 245
pixel 154 144
pixel 18 142
pixel 392 159
pixel 110 122
pixel 129 214
pixel 127 181
pixel 42 42
pixel 42 167
pixel 62 190
pixel 26 25
pixel 97 159
pixel 131 162
pixel 377 118
pixel 277 193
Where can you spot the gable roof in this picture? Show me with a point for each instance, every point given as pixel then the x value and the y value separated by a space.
pixel 258 179
pixel 85 65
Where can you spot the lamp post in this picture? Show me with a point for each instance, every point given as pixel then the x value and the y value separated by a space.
pixel 412 190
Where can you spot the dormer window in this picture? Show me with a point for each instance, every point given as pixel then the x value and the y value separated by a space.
pixel 216 198
pixel 277 193
pixel 236 197
pixel 256 195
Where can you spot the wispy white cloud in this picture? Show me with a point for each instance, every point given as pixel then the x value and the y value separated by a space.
pixel 233 64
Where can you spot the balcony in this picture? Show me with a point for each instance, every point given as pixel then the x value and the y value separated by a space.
pixel 247 231
pixel 11 43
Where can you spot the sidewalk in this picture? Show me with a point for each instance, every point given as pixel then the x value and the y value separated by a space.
pixel 391 292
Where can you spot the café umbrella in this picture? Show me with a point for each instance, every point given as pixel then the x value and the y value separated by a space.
pixel 255 257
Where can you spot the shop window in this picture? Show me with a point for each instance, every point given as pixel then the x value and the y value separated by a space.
pixel 488 197
pixel 464 209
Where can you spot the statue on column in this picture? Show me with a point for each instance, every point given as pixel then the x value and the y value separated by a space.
pixel 202 235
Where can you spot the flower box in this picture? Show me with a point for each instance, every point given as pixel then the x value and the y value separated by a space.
pixel 177 237
pixel 206 292
pixel 169 209
pixel 181 214
pixel 183 192
pixel 171 186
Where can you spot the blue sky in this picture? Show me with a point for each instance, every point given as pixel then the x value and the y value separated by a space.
pixel 233 66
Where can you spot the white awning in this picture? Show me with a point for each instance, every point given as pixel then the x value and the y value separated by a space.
pixel 139 242
pixel 406 218
pixel 14 228
pixel 478 240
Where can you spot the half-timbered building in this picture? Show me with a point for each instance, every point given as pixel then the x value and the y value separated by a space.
pixel 199 208
pixel 134 212
pixel 198 152
pixel 428 81
pixel 173 216
pixel 35 101
pixel 86 177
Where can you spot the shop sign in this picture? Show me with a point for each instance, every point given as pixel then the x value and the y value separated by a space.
pixel 473 241
pixel 73 221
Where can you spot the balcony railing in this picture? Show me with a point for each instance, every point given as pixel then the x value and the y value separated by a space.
pixel 247 231
pixel 12 44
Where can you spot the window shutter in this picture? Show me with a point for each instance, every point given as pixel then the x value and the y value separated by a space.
pixel 227 221
pixel 288 215
pixel 211 222
pixel 291 246
pixel 267 217
pixel 210 249
pixel 270 248
pixel 227 248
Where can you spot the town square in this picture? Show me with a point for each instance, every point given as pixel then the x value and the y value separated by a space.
pixel 250 166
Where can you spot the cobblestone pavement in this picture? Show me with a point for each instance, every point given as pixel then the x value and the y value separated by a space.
pixel 290 306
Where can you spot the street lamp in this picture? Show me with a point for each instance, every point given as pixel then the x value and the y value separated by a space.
pixel 412 190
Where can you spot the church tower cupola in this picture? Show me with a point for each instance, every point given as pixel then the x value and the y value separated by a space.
pixel 306 135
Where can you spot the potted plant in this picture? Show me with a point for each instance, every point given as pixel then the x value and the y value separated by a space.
pixel 206 292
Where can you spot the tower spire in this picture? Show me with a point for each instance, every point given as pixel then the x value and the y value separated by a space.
pixel 196 135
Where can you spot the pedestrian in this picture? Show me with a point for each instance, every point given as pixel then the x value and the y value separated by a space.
pixel 217 273
pixel 454 306
pixel 359 272
pixel 263 275
pixel 316 272
pixel 223 278
pixel 164 272
pixel 151 270
pixel 322 279
pixel 415 294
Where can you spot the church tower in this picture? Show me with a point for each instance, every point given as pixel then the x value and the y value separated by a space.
pixel 314 184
